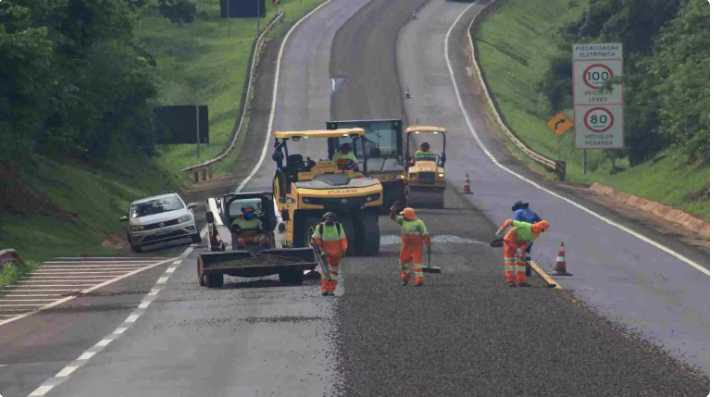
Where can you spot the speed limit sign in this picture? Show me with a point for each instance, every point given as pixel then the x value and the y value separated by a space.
pixel 589 76
pixel 598 127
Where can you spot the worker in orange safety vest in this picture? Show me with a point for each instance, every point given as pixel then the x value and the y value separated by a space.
pixel 519 237
pixel 330 237
pixel 414 235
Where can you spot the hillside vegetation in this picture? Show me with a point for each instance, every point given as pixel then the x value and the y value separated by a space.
pixel 79 83
pixel 525 51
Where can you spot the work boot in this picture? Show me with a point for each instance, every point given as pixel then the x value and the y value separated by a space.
pixel 330 293
pixel 524 284
pixel 405 282
pixel 419 284
pixel 511 284
pixel 325 293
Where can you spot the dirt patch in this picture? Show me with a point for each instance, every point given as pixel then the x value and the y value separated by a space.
pixel 649 219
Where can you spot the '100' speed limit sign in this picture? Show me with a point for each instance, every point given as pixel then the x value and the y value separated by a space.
pixel 598 127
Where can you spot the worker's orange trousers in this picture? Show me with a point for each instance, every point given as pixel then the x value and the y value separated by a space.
pixel 333 267
pixel 412 256
pixel 259 239
pixel 515 264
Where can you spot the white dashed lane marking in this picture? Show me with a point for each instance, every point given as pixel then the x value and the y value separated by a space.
pixel 63 278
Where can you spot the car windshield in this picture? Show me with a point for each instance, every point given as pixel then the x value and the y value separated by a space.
pixel 154 207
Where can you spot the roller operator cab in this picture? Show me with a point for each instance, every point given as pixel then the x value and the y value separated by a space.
pixel 381 156
pixel 426 177
pixel 305 189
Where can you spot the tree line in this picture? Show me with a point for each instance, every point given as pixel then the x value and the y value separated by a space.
pixel 666 63
pixel 74 81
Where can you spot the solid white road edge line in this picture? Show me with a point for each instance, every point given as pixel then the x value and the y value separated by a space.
pixel 275 98
pixel 493 159
pixel 131 320
pixel 43 389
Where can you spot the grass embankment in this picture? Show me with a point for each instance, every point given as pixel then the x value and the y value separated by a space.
pixel 72 207
pixel 514 46
pixel 13 271
pixel 200 63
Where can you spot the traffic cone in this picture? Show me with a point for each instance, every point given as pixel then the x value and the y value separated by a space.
pixel 467 185
pixel 559 269
pixel 407 94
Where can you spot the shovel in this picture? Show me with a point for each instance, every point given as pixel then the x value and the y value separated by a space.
pixel 428 268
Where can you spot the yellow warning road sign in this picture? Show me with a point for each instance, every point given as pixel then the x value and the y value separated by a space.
pixel 560 124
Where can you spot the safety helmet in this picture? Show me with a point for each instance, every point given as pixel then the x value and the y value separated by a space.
pixel 519 205
pixel 540 227
pixel 409 214
pixel 329 217
pixel 425 146
pixel 245 209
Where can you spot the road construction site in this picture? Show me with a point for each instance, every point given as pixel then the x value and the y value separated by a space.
pixel 632 320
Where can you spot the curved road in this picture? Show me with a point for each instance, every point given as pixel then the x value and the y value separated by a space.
pixel 464 333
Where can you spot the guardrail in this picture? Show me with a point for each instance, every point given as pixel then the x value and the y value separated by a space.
pixel 9 255
pixel 245 99
pixel 556 165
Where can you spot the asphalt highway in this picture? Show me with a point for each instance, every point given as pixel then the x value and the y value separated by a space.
pixel 463 334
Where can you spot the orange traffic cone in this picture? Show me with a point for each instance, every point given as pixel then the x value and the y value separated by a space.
pixel 559 269
pixel 467 185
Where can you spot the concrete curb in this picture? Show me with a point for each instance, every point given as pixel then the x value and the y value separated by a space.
pixel 690 222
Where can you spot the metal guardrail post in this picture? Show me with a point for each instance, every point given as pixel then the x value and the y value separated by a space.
pixel 537 157
pixel 251 73
pixel 560 170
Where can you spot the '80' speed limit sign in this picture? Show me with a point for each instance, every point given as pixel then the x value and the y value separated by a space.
pixel 598 127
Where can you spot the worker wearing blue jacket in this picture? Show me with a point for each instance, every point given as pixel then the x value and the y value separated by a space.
pixel 522 213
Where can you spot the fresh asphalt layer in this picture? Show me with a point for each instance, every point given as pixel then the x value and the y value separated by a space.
pixel 464 333
pixel 625 278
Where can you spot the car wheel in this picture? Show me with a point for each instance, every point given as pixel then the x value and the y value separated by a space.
pixel 197 238
pixel 135 248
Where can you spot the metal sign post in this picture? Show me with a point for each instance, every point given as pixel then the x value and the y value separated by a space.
pixel 257 17
pixel 198 135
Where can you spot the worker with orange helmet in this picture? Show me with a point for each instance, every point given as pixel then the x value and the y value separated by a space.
pixel 414 235
pixel 519 237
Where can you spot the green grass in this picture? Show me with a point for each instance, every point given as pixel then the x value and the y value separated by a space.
pixel 200 63
pixel 13 271
pixel 94 197
pixel 196 63
pixel 514 46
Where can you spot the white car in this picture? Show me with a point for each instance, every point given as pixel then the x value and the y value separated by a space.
pixel 160 218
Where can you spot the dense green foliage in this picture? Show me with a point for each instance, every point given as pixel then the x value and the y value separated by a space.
pixel 178 11
pixel 72 81
pixel 666 63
